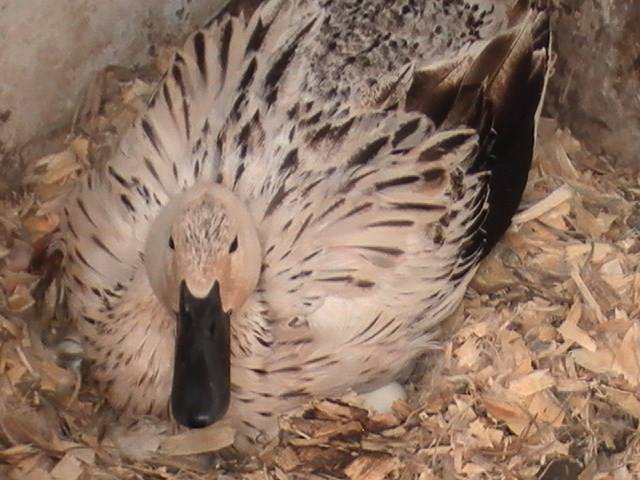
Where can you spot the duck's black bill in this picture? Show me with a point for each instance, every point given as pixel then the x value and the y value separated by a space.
pixel 201 377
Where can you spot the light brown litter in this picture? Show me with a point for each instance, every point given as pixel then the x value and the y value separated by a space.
pixel 542 380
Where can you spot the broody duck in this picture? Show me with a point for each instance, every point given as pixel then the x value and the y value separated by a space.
pixel 303 203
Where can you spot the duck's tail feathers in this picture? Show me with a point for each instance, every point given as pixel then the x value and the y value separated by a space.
pixel 500 95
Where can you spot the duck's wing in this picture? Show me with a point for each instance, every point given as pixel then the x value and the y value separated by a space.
pixel 411 204
pixel 509 75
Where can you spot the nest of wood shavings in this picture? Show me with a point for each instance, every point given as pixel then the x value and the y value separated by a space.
pixel 538 379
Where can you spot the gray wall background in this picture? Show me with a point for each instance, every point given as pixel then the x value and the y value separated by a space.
pixel 596 89
pixel 51 49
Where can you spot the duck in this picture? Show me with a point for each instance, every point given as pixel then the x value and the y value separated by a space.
pixel 302 204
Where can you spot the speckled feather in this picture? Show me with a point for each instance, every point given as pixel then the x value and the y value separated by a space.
pixel 381 148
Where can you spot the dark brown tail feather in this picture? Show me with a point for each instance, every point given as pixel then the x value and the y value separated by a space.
pixel 500 96
pixel 509 159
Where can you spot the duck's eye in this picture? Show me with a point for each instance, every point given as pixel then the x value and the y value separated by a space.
pixel 234 245
pixel 172 245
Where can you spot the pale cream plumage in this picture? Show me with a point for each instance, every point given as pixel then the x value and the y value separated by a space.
pixel 328 173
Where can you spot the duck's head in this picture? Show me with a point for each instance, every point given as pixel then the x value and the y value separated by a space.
pixel 203 261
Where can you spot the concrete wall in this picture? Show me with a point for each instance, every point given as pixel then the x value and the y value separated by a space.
pixel 51 49
pixel 596 89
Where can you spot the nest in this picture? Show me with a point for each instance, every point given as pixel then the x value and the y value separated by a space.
pixel 539 377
